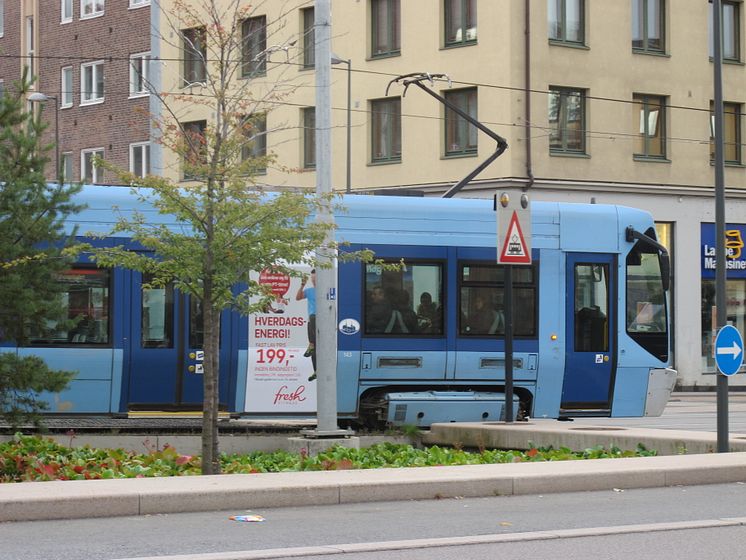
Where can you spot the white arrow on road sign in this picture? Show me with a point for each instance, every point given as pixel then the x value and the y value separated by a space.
pixel 734 350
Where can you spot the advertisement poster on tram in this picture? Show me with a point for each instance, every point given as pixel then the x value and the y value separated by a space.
pixel 280 361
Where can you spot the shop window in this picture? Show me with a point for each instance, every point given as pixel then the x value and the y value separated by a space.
pixel 403 302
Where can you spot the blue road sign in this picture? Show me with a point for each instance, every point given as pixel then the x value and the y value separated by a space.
pixel 728 350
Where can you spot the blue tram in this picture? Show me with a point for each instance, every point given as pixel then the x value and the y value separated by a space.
pixel 417 345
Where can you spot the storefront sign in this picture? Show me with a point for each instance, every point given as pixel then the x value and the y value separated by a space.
pixel 735 254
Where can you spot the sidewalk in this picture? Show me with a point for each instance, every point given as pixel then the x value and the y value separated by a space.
pixel 145 496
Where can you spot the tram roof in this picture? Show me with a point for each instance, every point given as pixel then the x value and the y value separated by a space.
pixel 405 220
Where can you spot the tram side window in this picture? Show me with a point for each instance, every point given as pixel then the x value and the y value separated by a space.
pixel 407 301
pixel 85 299
pixel 157 328
pixel 482 306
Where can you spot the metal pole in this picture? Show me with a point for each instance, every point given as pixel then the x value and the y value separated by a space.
pixel 349 126
pixel 508 296
pixel 58 177
pixel 326 276
pixel 722 380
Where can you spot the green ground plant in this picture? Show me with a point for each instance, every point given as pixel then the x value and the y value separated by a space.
pixel 36 458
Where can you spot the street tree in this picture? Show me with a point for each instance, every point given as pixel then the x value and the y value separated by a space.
pixel 34 250
pixel 229 226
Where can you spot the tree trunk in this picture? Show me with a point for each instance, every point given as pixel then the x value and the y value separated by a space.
pixel 210 448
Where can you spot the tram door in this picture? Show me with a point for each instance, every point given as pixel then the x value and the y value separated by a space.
pixel 166 358
pixel 590 345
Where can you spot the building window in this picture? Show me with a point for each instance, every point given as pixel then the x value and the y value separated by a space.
pixel 731 132
pixel 386 130
pixel 139 66
pixel 309 137
pixel 91 8
pixel 254 35
pixel 408 301
pixel 194 149
pixel 460 22
pixel 566 120
pixel 140 159
pixel 66 163
pixel 139 3
pixel 648 26
pixel 730 31
pixel 461 136
pixel 2 18
pixel 386 27
pixel 255 146
pixel 66 97
pixel 566 21
pixel 309 38
pixel 90 173
pixel 30 54
pixel 92 82
pixel 481 300
pixel 66 11
pixel 649 119
pixel 195 55
pixel 85 296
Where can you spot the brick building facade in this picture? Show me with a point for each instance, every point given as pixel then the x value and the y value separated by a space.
pixel 82 55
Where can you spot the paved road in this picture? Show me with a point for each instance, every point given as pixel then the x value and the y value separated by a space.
pixel 376 525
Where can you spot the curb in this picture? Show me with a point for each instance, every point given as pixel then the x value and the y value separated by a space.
pixel 148 496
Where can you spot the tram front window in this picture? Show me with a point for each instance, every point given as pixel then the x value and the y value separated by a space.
pixel 647 320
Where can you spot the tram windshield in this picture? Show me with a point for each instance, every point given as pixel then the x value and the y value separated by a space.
pixel 647 320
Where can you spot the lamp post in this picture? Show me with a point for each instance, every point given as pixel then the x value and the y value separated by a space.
pixel 348 62
pixel 38 97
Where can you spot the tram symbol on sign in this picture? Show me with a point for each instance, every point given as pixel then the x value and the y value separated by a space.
pixel 515 249
pixel 514 246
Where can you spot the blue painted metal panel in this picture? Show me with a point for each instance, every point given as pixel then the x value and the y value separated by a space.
pixel 630 391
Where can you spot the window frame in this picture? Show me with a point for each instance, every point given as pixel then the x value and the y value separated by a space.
pixel 563 127
pixel 518 285
pixel 463 127
pixel 108 309
pixel 643 10
pixel 64 158
pixel 561 38
pixel 257 146
pixel 735 31
pixel 145 158
pixel 391 46
pixel 65 6
pixel 138 4
pixel 194 52
pixel 308 122
pixel 191 127
pixel 467 6
pixel 2 18
pixel 641 101
pixel 95 170
pixel 441 265
pixel 96 67
pixel 66 96
pixel 388 124
pixel 308 33
pixel 141 74
pixel 94 5
pixel 729 108
pixel 251 47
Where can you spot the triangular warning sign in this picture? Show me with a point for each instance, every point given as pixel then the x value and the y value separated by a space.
pixel 514 248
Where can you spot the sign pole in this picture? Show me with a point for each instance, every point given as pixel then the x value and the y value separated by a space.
pixel 508 343
pixel 722 380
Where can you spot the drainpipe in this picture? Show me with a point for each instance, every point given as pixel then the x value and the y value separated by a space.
pixel 527 96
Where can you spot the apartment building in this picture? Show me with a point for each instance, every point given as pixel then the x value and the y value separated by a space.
pixel 89 60
pixel 605 101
